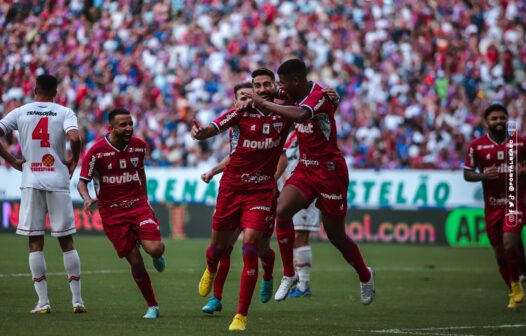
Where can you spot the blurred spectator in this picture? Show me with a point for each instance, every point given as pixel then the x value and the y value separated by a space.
pixel 414 75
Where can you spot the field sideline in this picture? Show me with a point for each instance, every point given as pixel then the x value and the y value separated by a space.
pixel 420 291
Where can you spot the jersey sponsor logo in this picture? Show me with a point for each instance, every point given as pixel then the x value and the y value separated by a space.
pixel 228 117
pixel 306 129
pixel 99 155
pixel 121 179
pixel 147 221
pixel 307 162
pixel 268 143
pixel 332 197
pixel 479 147
pixel 260 207
pixel 48 160
pixel 135 149
pixel 134 161
pixel 257 178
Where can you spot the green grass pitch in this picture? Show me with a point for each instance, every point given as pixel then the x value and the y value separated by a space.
pixel 420 291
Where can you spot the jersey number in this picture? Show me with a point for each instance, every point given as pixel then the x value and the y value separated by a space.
pixel 41 132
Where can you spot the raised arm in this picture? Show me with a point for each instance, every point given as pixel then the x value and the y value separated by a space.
pixel 200 133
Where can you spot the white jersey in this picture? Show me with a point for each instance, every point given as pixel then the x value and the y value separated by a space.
pixel 42 127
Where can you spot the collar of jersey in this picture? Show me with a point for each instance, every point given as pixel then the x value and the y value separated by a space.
pixel 111 145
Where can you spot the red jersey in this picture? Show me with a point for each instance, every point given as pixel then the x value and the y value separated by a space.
pixel 317 135
pixel 116 172
pixel 483 152
pixel 257 142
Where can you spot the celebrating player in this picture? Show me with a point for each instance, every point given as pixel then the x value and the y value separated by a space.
pixel 488 160
pixel 247 193
pixel 321 174
pixel 117 163
pixel 44 128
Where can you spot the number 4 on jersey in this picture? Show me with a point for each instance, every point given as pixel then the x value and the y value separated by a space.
pixel 41 132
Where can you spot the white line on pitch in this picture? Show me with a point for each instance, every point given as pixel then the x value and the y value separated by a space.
pixel 430 331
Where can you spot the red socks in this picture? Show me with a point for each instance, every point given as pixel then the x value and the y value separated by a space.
pixel 249 277
pixel 352 254
pixel 285 234
pixel 267 263
pixel 142 279
pixel 222 272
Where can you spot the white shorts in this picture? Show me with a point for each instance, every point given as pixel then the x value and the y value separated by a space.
pixel 36 204
pixel 307 219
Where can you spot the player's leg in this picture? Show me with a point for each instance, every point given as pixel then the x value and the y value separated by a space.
pixel 249 277
pixel 143 282
pixel 72 266
pixel 219 244
pixel 290 201
pixel 522 276
pixel 214 304
pixel 512 256
pixel 32 222
pixel 149 234
pixel 302 263
pixel 62 227
pixel 37 265
pixel 335 229
pixel 267 257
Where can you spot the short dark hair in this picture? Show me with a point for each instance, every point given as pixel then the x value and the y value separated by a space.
pixel 47 84
pixel 293 66
pixel 263 72
pixel 117 111
pixel 245 85
pixel 495 107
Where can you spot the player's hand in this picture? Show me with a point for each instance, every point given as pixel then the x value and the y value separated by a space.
pixel 71 164
pixel 87 206
pixel 490 173
pixel 206 177
pixel 332 94
pixel 18 164
pixel 197 130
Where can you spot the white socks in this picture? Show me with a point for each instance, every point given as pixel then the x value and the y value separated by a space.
pixel 37 265
pixel 72 267
pixel 302 263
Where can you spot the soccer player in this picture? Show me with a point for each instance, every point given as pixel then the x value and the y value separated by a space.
pixel 116 162
pixel 44 128
pixel 321 174
pixel 487 160
pixel 305 222
pixel 248 191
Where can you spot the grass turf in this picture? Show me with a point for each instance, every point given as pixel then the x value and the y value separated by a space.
pixel 420 291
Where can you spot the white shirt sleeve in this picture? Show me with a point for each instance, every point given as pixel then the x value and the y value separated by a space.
pixel 70 121
pixel 9 123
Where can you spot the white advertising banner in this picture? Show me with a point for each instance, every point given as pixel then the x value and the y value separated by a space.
pixel 367 188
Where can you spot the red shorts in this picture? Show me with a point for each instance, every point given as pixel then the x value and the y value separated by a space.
pixel 498 222
pixel 330 192
pixel 245 209
pixel 124 227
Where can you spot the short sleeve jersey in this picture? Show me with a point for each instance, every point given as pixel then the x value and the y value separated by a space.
pixel 116 172
pixel 42 127
pixel 482 153
pixel 257 141
pixel 317 135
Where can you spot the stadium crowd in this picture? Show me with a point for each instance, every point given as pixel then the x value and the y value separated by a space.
pixel 414 76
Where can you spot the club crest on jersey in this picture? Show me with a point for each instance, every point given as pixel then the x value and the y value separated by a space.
pixel 134 161
pixel 278 126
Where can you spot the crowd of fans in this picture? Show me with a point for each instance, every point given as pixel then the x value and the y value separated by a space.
pixel 414 76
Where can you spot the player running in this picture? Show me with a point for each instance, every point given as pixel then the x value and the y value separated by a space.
pixel 116 162
pixel 44 128
pixel 488 160
pixel 321 174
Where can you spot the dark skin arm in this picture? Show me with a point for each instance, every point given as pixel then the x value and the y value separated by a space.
pixel 489 173
pixel 76 144
pixel 200 133
pixel 293 113
pixel 6 155
pixel 209 175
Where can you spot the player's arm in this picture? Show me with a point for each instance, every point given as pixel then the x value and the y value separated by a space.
pixel 142 178
pixel 288 112
pixel 489 173
pixel 13 161
pixel 76 144
pixel 332 94
pixel 282 165
pixel 82 188
pixel 206 177
pixel 201 133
